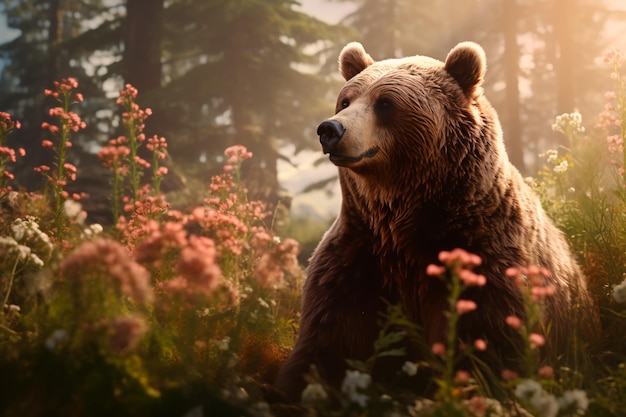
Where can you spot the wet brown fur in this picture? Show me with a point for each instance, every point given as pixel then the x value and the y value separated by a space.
pixel 440 180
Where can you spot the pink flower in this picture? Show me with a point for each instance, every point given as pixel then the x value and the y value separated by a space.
pixel 125 333
pixel 509 375
pixel 546 372
pixel 536 340
pixel 47 143
pixel 439 349
pixel 465 306
pixel 109 260
pixel 514 322
pixel 480 344
pixel 462 377
pixel 435 270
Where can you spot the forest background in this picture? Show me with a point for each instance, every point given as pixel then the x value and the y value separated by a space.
pixel 263 74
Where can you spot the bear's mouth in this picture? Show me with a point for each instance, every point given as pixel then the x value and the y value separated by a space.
pixel 338 159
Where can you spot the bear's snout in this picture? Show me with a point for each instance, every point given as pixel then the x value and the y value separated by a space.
pixel 330 133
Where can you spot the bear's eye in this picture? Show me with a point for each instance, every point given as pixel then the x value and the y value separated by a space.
pixel 344 103
pixel 383 108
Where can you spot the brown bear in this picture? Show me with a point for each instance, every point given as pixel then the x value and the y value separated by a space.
pixel 423 169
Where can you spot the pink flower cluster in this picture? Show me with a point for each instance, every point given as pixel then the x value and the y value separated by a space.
pixel 535 278
pixel 107 259
pixel 460 262
pixel 7 155
pixel 272 264
pixel 134 115
pixel 63 89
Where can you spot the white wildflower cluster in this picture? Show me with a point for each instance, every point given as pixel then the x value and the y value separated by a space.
pixel 352 383
pixel 551 155
pixel 410 368
pixel 547 405
pixel 561 168
pixel 74 211
pixel 223 344
pixel 27 229
pixel 92 230
pixel 26 235
pixel 568 123
pixel 57 337
pixel 314 393
pixel 619 292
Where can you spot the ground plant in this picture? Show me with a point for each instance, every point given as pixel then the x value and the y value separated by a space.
pixel 191 312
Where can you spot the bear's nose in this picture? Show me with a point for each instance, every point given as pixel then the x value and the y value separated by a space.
pixel 330 133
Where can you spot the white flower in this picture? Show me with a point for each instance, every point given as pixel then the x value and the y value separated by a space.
pixel 353 381
pixel 576 398
pixel 551 155
pixel 57 336
pixel 263 303
pixel 619 292
pixel 12 307
pixel 314 393
pixel 360 399
pixel 72 209
pixel 410 368
pixel 545 404
pixel 528 389
pixel 23 252
pixel 36 260
pixel 561 168
pixel 96 228
pixel 568 122
pixel 8 242
pixel 222 344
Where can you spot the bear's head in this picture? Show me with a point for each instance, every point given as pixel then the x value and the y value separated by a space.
pixel 411 122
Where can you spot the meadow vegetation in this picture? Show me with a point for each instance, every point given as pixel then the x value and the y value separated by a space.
pixel 190 312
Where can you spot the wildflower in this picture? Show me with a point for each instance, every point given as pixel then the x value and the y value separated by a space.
pixel 536 340
pixel 438 349
pixel 55 338
pixel 353 381
pixel 125 333
pixel 410 368
pixel 465 306
pixel 223 344
pixel 528 389
pixel 471 279
pixel 478 405
pixel 514 322
pixel 509 375
pixel 272 264
pixel 72 209
pixel 551 155
pixel 462 377
pixel 313 393
pixel 568 123
pixel 561 168
pixel 480 344
pixel 197 264
pixel 435 270
pixel 575 400
pixel 546 372
pixel 619 292
pixel 108 258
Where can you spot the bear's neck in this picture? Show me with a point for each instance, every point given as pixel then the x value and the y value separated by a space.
pixel 408 231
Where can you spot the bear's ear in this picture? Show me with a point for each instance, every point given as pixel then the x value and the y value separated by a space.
pixel 467 64
pixel 353 59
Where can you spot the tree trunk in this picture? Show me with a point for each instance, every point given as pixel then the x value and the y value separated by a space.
pixel 562 18
pixel 513 128
pixel 142 43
